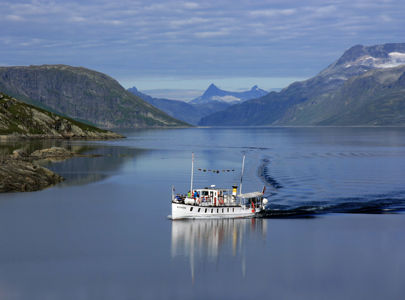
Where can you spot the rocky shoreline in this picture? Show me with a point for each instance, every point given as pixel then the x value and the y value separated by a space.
pixel 20 171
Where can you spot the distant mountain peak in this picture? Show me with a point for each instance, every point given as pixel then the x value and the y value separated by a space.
pixel 214 93
pixel 212 89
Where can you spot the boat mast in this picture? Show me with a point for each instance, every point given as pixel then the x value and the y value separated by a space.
pixel 241 175
pixel 192 173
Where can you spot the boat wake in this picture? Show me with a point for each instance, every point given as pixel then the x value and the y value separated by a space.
pixel 375 204
pixel 264 173
pixel 302 195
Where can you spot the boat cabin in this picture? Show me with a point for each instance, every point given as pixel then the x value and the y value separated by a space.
pixel 220 197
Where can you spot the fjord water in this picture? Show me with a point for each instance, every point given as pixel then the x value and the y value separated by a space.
pixel 334 228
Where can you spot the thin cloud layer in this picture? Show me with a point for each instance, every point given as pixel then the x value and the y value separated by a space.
pixel 189 38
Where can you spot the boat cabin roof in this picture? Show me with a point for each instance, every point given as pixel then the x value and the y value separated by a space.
pixel 251 195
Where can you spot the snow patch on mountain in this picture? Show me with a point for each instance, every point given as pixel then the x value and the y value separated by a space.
pixel 227 98
pixel 394 59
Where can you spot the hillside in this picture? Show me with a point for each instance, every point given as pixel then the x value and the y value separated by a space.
pixel 363 87
pixel 18 119
pixel 82 94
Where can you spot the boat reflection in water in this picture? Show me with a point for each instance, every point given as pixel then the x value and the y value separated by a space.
pixel 209 239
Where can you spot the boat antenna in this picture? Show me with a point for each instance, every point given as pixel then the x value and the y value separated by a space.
pixel 192 172
pixel 241 174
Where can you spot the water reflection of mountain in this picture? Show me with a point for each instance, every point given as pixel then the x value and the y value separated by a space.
pixel 100 162
pixel 207 240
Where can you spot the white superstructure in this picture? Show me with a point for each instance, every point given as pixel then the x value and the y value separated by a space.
pixel 212 202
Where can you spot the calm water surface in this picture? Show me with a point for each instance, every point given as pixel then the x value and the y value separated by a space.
pixel 334 228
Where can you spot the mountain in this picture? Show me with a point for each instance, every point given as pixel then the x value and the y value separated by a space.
pixel 363 87
pixel 213 93
pixel 82 94
pixel 190 113
pixel 18 119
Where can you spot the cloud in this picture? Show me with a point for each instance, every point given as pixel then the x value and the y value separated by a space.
pixel 209 34
pixel 191 5
pixel 273 12
pixel 192 38
pixel 14 18
pixel 188 21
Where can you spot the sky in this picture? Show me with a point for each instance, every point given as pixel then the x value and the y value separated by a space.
pixel 186 45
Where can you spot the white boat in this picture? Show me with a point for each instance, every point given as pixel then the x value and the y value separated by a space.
pixel 213 202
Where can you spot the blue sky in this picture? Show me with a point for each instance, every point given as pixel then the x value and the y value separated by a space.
pixel 189 44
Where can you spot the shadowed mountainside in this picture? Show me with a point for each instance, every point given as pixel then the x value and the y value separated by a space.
pixel 82 94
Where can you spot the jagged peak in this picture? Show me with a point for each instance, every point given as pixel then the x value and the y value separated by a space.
pixel 212 87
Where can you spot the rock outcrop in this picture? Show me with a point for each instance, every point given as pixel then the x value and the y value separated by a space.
pixel 19 174
pixel 53 153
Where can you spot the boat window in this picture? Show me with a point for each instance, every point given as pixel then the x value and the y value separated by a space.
pixel 191 208
pixel 212 210
pixel 233 209
pixel 205 210
pixel 222 210
pixel 217 210
pixel 228 209
pixel 199 209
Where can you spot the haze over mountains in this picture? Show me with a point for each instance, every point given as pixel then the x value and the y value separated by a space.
pixel 212 100
pixel 365 86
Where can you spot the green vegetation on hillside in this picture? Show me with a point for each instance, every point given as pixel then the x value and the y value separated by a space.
pixel 21 119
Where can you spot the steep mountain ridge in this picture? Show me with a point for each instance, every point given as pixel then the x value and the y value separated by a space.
pixel 82 94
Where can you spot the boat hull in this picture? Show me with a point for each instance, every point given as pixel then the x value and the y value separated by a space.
pixel 185 211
